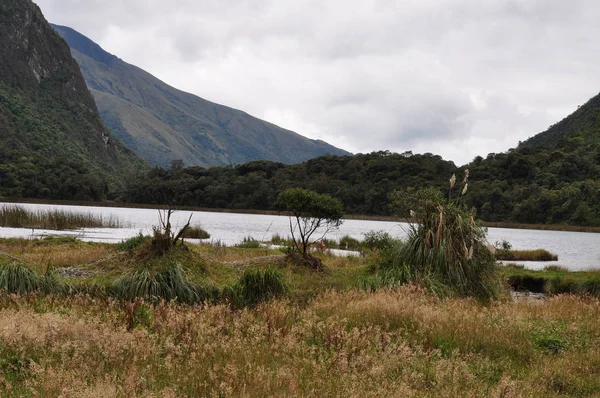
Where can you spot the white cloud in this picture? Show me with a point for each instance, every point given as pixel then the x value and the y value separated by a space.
pixel 454 77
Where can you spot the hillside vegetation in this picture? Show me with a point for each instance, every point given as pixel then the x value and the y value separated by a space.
pixel 53 143
pixel 162 124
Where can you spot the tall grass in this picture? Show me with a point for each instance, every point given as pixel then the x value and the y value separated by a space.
pixel 446 252
pixel 525 255
pixel 17 278
pixel 15 216
pixel 169 283
pixel 258 285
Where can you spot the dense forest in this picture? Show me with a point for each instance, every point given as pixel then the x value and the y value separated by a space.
pixel 528 185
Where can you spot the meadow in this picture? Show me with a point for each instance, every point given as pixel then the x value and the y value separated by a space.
pixel 266 325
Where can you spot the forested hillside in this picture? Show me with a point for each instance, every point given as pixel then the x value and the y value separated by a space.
pixel 52 141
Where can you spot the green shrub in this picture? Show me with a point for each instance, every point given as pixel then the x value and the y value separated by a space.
pixel 349 243
pixel 446 250
pixel 258 285
pixel 248 243
pixel 195 233
pixel 378 240
pixel 133 242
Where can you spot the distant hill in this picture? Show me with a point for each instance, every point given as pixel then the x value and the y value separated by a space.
pixel 53 143
pixel 553 177
pixel 582 125
pixel 162 124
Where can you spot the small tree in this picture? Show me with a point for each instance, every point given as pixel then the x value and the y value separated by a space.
pixel 309 212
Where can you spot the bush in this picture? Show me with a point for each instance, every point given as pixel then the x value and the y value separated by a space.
pixel 133 242
pixel 258 285
pixel 195 233
pixel 378 240
pixel 446 250
pixel 349 243
pixel 248 243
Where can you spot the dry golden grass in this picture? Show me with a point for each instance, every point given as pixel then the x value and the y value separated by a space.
pixel 355 344
pixel 54 255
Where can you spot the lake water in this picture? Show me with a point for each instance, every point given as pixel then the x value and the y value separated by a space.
pixel 575 250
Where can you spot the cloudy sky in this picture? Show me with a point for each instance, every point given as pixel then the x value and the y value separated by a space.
pixel 458 78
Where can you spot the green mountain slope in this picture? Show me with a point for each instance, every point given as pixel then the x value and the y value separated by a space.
pixel 53 143
pixel 554 177
pixel 161 123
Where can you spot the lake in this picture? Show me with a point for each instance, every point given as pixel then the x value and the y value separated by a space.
pixel 575 250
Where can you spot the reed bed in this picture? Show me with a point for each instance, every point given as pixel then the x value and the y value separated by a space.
pixel 525 255
pixel 402 342
pixel 15 216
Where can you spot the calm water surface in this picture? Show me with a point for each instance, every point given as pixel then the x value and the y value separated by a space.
pixel 576 250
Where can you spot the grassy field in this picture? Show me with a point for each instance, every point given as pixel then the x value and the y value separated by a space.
pixel 320 334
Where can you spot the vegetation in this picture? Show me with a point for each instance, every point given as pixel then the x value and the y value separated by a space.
pixel 401 342
pixel 309 212
pixel 195 233
pixel 525 255
pixel 54 145
pixel 446 249
pixel 15 216
pixel 552 280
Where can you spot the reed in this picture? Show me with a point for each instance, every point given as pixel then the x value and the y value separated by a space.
pixel 15 216
pixel 195 233
pixel 525 255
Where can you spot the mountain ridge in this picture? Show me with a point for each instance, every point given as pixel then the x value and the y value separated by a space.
pixel 52 138
pixel 184 126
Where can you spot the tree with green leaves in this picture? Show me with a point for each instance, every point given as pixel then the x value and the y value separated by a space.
pixel 309 212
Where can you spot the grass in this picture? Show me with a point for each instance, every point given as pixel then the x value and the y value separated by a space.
pixel 552 280
pixel 525 255
pixel 261 326
pixel 196 233
pixel 399 342
pixel 15 216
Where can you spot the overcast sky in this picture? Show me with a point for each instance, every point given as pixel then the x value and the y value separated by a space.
pixel 458 78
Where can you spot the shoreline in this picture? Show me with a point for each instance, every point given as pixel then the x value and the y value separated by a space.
pixel 489 224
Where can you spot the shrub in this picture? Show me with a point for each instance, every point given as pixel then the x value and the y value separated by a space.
pixel 378 240
pixel 133 242
pixel 248 243
pixel 446 250
pixel 195 233
pixel 258 285
pixel 349 243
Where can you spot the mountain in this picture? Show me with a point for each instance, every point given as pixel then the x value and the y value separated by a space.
pixel 162 124
pixel 53 143
pixel 553 177
pixel 583 125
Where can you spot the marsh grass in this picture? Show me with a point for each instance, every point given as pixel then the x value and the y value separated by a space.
pixel 15 216
pixel 525 255
pixel 196 232
pixel 258 285
pixel 248 243
pixel 168 283
pixel 396 342
pixel 18 278
pixel 552 280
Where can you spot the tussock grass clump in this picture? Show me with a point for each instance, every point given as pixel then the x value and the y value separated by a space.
pixel 196 233
pixel 15 216
pixel 258 285
pixel 525 255
pixel 168 283
pixel 248 243
pixel 17 278
pixel 133 242
pixel 348 243
pixel 553 280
